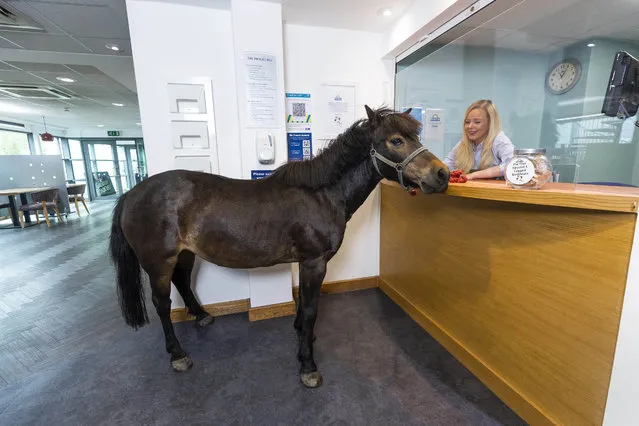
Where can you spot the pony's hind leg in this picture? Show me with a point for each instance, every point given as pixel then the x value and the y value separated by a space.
pixel 311 276
pixel 160 278
pixel 182 280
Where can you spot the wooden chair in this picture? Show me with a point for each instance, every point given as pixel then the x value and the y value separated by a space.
pixel 76 192
pixel 42 200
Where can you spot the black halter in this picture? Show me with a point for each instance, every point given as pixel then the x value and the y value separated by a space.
pixel 397 166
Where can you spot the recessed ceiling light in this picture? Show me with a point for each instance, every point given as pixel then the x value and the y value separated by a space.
pixel 117 104
pixel 385 12
pixel 100 125
pixel 114 47
pixel 591 45
pixel 139 124
pixel 66 79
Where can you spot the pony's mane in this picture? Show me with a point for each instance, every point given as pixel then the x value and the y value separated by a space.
pixel 345 151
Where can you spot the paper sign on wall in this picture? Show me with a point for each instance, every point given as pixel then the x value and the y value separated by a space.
pixel 299 137
pixel 260 74
pixel 434 125
pixel 339 101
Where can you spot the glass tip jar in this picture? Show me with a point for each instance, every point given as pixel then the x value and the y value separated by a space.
pixel 528 169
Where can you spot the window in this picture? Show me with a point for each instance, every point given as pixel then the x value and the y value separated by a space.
pixel 14 143
pixel 547 74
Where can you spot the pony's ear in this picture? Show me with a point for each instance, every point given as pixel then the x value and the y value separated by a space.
pixel 407 112
pixel 369 113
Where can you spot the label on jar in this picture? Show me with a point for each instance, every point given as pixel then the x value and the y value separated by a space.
pixel 520 171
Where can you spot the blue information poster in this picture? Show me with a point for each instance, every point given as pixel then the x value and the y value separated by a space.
pixel 299 146
pixel 260 174
pixel 299 135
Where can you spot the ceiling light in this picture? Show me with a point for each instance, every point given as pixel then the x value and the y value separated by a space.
pixel 100 125
pixel 591 45
pixel 117 104
pixel 385 12
pixel 66 79
pixel 114 47
pixel 139 124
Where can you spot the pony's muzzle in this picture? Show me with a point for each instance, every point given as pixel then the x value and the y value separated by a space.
pixel 435 182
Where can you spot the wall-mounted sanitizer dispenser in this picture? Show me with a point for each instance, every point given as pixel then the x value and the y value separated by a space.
pixel 265 146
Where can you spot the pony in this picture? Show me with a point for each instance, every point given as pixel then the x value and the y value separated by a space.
pixel 297 214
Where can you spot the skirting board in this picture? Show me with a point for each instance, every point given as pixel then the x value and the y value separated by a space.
pixel 345 285
pixel 504 390
pixel 273 311
pixel 215 309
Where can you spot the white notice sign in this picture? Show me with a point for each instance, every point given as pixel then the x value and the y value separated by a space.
pixel 260 73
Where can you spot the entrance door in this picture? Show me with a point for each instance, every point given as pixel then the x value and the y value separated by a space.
pixel 104 175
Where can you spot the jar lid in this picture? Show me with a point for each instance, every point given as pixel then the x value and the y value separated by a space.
pixel 527 151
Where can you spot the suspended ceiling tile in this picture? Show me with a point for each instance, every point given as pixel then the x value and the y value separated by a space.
pixel 34 66
pixel 45 42
pixel 53 78
pixel 6 44
pixel 6 66
pixel 85 69
pixel 85 20
pixel 19 77
pixel 98 45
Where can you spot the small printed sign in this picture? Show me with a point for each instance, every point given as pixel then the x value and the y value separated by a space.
pixel 260 174
pixel 113 133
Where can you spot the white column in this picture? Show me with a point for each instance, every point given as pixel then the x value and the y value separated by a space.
pixel 257 28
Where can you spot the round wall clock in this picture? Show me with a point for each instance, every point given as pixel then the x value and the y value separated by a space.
pixel 563 76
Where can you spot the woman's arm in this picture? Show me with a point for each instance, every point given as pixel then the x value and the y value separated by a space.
pixel 489 173
pixel 450 158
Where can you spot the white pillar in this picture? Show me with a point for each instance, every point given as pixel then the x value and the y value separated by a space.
pixel 257 28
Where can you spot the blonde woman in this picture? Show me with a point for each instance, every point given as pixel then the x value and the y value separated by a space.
pixel 484 149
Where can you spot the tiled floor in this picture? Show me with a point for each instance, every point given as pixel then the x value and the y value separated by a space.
pixel 66 356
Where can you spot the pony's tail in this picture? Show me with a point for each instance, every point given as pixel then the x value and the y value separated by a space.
pixel 129 288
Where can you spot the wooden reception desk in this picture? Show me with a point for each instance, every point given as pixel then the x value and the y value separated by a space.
pixel 525 288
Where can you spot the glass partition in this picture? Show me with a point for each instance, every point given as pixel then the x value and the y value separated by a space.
pixel 547 69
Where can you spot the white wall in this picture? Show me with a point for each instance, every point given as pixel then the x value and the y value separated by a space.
pixel 316 55
pixel 175 42
pixel 413 24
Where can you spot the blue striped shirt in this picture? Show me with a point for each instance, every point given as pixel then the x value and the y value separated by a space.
pixel 503 150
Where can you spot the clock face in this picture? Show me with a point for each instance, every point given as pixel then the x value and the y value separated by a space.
pixel 563 76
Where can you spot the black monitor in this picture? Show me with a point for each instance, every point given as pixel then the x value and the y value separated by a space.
pixel 622 94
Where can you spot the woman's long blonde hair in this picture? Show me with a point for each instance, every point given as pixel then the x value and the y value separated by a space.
pixel 465 155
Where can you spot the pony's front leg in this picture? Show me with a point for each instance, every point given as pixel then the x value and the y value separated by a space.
pixel 311 276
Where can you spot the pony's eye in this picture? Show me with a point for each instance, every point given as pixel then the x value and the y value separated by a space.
pixel 396 141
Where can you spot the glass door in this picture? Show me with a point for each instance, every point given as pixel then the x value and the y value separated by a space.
pixel 104 170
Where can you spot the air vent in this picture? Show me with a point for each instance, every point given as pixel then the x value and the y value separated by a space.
pixel 10 18
pixel 33 92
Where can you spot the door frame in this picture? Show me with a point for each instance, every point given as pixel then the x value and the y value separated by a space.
pixel 86 144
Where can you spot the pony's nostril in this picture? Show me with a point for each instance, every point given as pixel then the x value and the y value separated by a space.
pixel 442 174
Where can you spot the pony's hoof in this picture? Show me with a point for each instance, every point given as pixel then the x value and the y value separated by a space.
pixel 183 364
pixel 311 380
pixel 207 320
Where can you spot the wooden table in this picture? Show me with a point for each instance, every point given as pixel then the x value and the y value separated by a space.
pixel 524 287
pixel 22 192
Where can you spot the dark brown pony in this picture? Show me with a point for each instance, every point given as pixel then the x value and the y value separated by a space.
pixel 297 214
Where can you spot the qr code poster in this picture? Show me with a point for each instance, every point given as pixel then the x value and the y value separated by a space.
pixel 298 112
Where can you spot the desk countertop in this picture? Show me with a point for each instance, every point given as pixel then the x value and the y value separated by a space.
pixel 589 197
